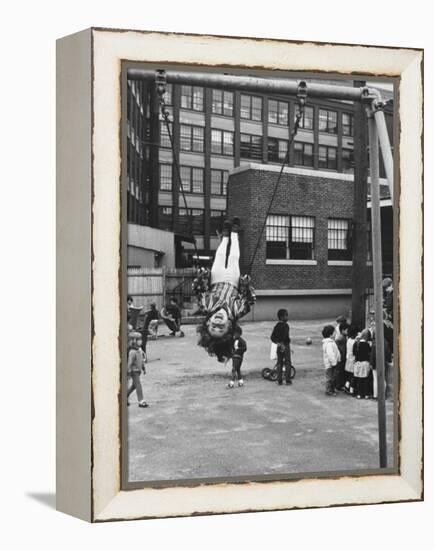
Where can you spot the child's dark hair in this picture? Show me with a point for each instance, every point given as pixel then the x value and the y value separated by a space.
pixel 281 314
pixel 129 298
pixel 238 330
pixel 327 331
pixel 222 348
pixel 343 326
pixel 352 331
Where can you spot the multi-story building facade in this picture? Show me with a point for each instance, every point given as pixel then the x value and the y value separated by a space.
pixel 212 132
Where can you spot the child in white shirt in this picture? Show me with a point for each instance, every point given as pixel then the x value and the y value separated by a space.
pixel 331 358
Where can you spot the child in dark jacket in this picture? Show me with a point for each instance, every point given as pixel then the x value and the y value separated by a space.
pixel 240 348
pixel 280 336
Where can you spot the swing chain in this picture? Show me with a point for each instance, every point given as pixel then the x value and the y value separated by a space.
pixel 161 87
pixel 301 97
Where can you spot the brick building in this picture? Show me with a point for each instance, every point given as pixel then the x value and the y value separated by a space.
pixel 214 132
pixel 304 256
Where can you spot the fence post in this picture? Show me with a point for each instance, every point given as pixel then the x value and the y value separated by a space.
pixel 163 281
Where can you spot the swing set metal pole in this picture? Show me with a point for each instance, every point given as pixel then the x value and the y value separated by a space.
pixel 251 83
pixel 378 289
pixel 383 136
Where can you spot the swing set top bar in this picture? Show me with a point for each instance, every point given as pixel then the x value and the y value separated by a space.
pixel 257 84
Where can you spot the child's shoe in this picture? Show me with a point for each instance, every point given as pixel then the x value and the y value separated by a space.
pixel 240 383
pixel 236 224
pixel 231 384
pixel 143 405
pixel 226 228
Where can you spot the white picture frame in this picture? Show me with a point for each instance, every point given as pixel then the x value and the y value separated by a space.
pixel 89 278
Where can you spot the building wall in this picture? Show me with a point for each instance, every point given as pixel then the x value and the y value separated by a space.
pixel 144 242
pixel 300 192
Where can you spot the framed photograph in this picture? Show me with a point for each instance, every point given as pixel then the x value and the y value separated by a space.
pixel 239 275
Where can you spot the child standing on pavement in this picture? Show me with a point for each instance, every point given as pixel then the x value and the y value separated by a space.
pixel 362 367
pixel 350 360
pixel 135 366
pixel 280 336
pixel 331 358
pixel 240 348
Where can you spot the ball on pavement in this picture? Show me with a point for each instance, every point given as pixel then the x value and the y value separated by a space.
pixel 308 341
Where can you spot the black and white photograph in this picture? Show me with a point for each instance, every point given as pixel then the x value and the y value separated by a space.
pixel 259 262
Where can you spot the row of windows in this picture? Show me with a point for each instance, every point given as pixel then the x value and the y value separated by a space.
pixel 251 108
pixel 193 179
pixel 287 237
pixel 222 143
pixel 191 220
pixel 293 238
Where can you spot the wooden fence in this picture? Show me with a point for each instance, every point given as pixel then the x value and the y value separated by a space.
pixel 158 284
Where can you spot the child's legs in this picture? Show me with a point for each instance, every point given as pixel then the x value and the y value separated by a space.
pixel 232 274
pixel 131 388
pixel 330 375
pixel 236 367
pixel 137 386
pixel 219 265
pixel 280 361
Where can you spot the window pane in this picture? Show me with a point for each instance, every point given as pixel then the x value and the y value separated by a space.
pixel 185 177
pixel 216 221
pixel 198 99
pixel 322 120
pixel 166 177
pixel 272 111
pixel 308 154
pixel 186 97
pixel 283 113
pixel 185 141
pixel 228 103
pixel 164 136
pixel 197 139
pixel 273 150
pixel 322 156
pixel 298 153
pixel 256 108
pixel 165 217
pixel 217 102
pixel 333 122
pixel 308 118
pixel 245 106
pixel 216 182
pixel 197 186
pixel 283 149
pixel 277 232
pixel 216 141
pixel 332 161
pixel 228 143
pixel 339 246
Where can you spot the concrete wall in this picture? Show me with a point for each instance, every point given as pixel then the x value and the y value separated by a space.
pixel 301 307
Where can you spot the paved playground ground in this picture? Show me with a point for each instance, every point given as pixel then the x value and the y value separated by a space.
pixel 195 427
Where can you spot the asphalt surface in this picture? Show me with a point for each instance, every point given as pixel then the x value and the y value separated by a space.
pixel 195 427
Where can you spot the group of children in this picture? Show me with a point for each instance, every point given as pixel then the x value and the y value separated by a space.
pixel 349 357
pixel 137 341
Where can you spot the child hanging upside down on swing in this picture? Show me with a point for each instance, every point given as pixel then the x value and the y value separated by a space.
pixel 223 295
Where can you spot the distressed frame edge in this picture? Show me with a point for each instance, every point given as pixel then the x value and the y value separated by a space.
pixel 412 487
pixel 73 275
